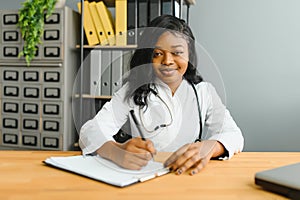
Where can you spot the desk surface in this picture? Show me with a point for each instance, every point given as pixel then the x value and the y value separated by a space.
pixel 24 176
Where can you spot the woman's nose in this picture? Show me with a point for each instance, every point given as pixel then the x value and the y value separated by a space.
pixel 168 59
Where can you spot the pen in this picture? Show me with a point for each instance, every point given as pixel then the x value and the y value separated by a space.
pixel 138 127
pixel 137 124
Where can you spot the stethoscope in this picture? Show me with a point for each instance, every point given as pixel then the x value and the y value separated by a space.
pixel 171 118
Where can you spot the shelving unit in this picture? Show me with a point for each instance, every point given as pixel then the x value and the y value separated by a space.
pixel 36 100
pixel 82 96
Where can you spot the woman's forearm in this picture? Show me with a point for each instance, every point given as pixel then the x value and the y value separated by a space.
pixel 219 150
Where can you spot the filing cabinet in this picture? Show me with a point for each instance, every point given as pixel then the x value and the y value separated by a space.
pixel 35 100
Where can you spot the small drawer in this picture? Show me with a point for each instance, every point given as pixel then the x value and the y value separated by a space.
pixel 53 19
pixel 31 76
pixel 30 108
pixel 52 109
pixel 51 125
pixel 30 124
pixel 11 52
pixel 52 52
pixel 51 35
pixel 52 76
pixel 10 19
pixel 51 141
pixel 11 91
pixel 10 75
pixel 53 93
pixel 11 36
pixel 31 92
pixel 37 54
pixel 10 122
pixel 31 140
pixel 9 138
pixel 10 107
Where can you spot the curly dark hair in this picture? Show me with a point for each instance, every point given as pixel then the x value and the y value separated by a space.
pixel 141 75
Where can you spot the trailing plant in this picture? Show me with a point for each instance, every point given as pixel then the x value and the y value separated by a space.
pixel 31 23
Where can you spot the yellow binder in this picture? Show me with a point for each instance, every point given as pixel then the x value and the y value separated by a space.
pixel 89 28
pixel 107 22
pixel 98 24
pixel 121 22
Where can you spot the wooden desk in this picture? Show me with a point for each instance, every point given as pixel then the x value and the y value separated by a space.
pixel 24 176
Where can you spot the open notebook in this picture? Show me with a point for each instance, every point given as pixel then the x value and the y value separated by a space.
pixel 106 171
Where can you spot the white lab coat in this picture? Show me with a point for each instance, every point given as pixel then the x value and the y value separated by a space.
pixel 180 115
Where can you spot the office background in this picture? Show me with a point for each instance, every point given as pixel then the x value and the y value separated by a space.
pixel 255 45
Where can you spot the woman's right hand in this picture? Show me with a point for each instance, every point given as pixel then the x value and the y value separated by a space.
pixel 133 154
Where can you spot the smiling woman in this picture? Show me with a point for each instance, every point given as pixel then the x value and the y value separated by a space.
pixel 174 106
pixel 170 59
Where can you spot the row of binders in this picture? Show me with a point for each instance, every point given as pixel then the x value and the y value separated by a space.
pixel 99 26
pixel 131 16
pixel 107 68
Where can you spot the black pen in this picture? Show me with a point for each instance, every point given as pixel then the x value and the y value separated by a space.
pixel 139 128
pixel 137 124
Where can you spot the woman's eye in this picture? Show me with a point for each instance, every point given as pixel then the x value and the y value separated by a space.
pixel 156 54
pixel 177 53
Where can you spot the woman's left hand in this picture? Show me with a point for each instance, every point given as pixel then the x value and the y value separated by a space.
pixel 194 156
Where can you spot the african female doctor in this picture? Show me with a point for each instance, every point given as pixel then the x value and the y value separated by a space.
pixel 168 105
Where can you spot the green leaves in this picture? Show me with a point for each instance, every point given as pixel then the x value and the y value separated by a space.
pixel 31 23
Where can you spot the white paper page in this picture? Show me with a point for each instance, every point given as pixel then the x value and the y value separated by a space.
pixel 104 170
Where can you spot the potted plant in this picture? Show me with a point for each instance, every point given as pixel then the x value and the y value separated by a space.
pixel 31 23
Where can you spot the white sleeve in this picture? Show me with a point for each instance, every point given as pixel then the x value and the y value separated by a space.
pixel 221 126
pixel 108 121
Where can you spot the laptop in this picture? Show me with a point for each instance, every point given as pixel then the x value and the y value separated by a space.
pixel 283 180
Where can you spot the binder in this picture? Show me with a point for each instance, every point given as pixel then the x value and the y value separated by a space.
pixel 95 72
pixel 121 22
pixel 184 11
pixel 89 28
pixel 177 9
pixel 107 22
pixel 98 24
pixel 126 62
pixel 155 9
pixel 132 21
pixel 116 70
pixel 167 7
pixel 105 72
pixel 170 7
pixel 142 16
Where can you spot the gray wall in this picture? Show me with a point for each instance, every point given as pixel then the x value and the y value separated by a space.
pixel 255 45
